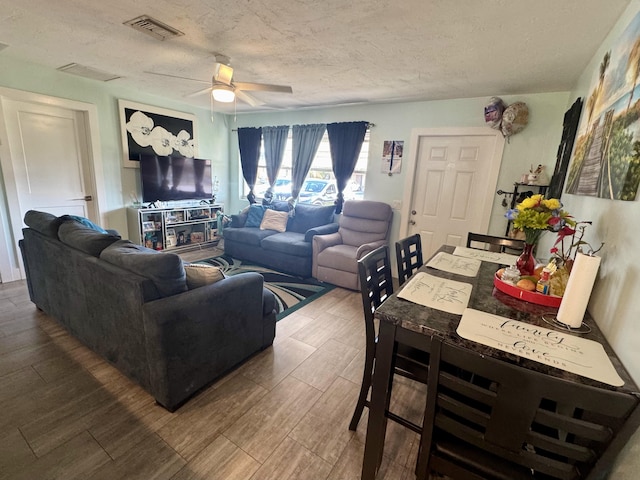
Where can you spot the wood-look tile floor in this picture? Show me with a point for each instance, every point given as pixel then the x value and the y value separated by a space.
pixel 282 415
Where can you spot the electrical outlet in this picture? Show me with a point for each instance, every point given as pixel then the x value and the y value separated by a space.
pixel 396 204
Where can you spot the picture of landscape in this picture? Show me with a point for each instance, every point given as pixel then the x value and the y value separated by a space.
pixel 606 158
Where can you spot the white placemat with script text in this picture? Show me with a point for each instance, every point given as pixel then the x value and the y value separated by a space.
pixel 459 265
pixel 551 347
pixel 435 292
pixel 485 256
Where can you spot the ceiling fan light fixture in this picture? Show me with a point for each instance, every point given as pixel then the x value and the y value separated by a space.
pixel 223 93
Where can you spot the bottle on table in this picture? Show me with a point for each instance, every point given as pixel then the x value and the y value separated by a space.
pixel 543 284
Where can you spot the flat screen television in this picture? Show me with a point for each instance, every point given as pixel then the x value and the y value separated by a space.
pixel 168 178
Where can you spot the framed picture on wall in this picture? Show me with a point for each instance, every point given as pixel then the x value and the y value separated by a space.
pixel 155 131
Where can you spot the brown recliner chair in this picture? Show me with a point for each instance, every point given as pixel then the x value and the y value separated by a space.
pixel 364 226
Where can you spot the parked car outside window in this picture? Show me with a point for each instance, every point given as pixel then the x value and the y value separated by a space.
pixel 281 189
pixel 321 192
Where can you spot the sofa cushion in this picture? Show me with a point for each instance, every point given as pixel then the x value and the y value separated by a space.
pixel 43 222
pixel 274 220
pixel 165 270
pixel 86 222
pixel 250 236
pixel 254 217
pixel 84 238
pixel 199 275
pixel 309 216
pixel 291 243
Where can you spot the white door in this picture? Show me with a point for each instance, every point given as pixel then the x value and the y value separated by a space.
pixel 453 187
pixel 50 161
pixel 49 158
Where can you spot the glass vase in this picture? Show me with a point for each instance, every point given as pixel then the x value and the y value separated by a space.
pixel 526 263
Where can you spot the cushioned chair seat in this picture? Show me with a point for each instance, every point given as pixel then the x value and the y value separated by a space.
pixel 253 236
pixel 288 242
pixel 339 257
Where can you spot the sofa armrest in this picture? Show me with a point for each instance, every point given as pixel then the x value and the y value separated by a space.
pixel 368 247
pixel 320 242
pixel 196 336
pixel 320 230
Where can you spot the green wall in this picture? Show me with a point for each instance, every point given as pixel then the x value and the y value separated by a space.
pixel 217 140
pixel 615 302
pixel 119 181
pixel 536 144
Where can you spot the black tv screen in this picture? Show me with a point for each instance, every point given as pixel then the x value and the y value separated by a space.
pixel 174 178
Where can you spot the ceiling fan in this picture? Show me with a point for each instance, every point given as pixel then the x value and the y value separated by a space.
pixel 224 89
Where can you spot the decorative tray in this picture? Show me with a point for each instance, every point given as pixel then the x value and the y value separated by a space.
pixel 532 297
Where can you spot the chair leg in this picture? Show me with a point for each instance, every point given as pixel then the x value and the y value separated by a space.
pixel 364 390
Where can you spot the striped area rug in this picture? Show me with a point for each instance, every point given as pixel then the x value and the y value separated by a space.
pixel 291 292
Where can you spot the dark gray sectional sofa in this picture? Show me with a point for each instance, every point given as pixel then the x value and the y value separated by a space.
pixel 131 305
pixel 288 252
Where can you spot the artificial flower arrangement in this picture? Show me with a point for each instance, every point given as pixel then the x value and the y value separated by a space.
pixel 564 256
pixel 536 214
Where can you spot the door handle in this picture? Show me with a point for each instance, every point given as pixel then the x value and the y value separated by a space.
pixel 412 222
pixel 86 198
pixel 413 212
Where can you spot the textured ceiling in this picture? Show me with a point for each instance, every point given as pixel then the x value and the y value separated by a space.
pixel 331 52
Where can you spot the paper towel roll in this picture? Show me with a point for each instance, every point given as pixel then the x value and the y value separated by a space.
pixel 576 295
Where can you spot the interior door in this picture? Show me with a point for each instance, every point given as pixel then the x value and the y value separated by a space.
pixel 454 184
pixel 49 158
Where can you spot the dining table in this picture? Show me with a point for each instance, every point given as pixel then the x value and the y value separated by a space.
pixel 406 322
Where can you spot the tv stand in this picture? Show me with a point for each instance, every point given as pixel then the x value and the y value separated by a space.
pixel 174 228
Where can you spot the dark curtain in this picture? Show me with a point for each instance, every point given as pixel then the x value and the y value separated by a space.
pixel 306 139
pixel 275 139
pixel 345 141
pixel 249 142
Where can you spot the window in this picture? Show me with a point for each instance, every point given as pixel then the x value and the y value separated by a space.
pixel 319 187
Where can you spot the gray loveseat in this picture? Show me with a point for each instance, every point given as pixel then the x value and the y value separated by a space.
pixel 290 251
pixel 131 305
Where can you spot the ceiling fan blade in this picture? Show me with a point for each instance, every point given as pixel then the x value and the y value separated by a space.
pixel 199 92
pixel 262 87
pixel 246 98
pixel 178 77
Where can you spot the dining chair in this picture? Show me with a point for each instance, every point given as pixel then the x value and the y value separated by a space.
pixel 374 271
pixel 494 244
pixel 408 256
pixel 502 421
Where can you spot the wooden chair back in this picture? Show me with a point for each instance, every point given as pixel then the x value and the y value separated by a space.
pixel 493 419
pixel 374 270
pixel 494 244
pixel 408 256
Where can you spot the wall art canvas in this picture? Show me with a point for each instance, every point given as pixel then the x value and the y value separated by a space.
pixel 155 131
pixel 606 158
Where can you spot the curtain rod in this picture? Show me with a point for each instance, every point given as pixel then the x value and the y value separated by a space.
pixel 370 125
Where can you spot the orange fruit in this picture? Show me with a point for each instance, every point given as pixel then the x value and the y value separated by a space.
pixel 526 284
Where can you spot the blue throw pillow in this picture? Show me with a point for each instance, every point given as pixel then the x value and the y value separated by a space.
pixel 254 217
pixel 87 223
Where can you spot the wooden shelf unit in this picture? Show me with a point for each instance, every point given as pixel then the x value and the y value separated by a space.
pixel 174 228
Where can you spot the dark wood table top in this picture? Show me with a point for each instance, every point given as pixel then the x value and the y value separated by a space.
pixel 485 297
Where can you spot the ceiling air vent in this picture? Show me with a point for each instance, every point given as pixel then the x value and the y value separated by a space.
pixel 87 72
pixel 153 27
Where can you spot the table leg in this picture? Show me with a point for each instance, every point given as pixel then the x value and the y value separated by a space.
pixel 380 392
